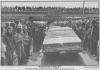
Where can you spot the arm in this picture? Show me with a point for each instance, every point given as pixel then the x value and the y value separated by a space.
pixel 5 41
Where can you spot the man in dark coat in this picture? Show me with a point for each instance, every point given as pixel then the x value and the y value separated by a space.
pixel 95 37
pixel 30 39
pixel 36 40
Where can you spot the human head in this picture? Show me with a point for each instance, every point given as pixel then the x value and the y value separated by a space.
pixel 83 24
pixel 18 30
pixel 7 24
pixel 9 30
pixel 94 22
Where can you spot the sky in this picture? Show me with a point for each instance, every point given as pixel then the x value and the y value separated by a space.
pixel 51 4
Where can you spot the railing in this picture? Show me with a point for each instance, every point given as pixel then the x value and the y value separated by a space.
pixel 65 12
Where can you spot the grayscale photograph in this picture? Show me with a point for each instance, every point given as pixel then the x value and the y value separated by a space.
pixel 50 33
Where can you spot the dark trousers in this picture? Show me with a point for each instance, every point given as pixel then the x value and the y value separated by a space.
pixel 19 61
pixel 36 45
pixel 42 39
pixel 85 43
pixel 2 61
pixel 94 47
pixel 26 50
pixel 89 44
pixel 9 56
pixel 34 48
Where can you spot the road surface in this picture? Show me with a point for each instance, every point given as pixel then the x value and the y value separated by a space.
pixel 81 59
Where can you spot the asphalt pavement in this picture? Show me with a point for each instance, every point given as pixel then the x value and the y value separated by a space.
pixel 83 58
pixel 80 59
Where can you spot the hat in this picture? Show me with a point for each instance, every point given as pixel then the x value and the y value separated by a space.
pixel 94 22
pixel 97 20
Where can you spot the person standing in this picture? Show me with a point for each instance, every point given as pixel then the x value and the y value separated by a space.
pixel 34 29
pixel 86 33
pixel 95 37
pixel 36 40
pixel 29 42
pixel 89 37
pixel 19 46
pixel 9 42
pixel 25 42
pixel 82 32
pixel 3 49
pixel 42 34
pixel 40 38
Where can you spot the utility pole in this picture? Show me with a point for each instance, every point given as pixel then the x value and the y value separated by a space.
pixel 83 10
pixel 98 4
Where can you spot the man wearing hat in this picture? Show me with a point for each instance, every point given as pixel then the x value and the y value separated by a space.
pixel 95 37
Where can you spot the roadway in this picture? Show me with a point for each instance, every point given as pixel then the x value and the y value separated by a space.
pixel 81 59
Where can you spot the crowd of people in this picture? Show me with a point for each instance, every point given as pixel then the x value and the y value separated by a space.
pixel 66 10
pixel 18 36
pixel 88 32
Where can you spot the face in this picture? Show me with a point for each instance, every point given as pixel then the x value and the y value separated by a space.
pixel 25 30
pixel 10 31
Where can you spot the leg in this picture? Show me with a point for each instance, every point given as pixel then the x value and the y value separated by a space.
pixel 3 61
pixel 35 46
pixel 22 54
pixel 89 44
pixel 95 47
pixel 10 57
pixel 19 55
pixel 28 49
pixel 92 48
